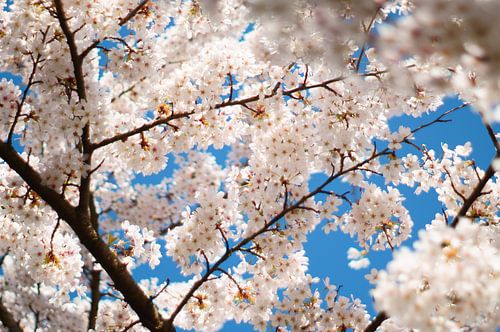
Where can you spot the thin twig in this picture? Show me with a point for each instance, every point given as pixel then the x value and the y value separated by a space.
pixel 475 194
pixel 31 82
pixel 440 118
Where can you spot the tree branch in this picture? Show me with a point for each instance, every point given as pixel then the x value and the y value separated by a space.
pixel 133 12
pixel 289 92
pixel 215 266
pixel 122 22
pixel 30 83
pixel 95 281
pixel 141 129
pixel 95 297
pixel 375 323
pixel 79 218
pixel 475 194
pixel 83 204
pixel 492 136
pixel 8 320
pixel 440 118
pixel 487 175
pixel 75 58
pixel 63 209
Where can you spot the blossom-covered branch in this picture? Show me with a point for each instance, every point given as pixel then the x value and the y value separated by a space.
pixel 124 136
pixel 490 171
pixel 287 209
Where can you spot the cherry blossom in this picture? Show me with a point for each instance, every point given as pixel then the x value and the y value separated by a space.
pixel 217 136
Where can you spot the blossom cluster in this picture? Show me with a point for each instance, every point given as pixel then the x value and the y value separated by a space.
pixel 449 280
pixel 459 37
pixel 142 245
pixel 378 219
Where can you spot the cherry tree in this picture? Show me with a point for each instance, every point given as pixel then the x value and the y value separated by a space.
pixel 97 93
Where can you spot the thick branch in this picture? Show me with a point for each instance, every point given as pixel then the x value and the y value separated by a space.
pixel 122 279
pixel 95 294
pixel 367 32
pixel 6 317
pixel 487 175
pixel 493 137
pixel 379 319
pixel 82 95
pixel 80 218
pixel 95 297
pixel 75 58
pixel 8 320
pixel 64 210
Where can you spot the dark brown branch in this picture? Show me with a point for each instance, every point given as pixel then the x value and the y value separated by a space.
pixel 8 320
pixel 82 95
pixel 493 137
pixel 482 183
pixel 95 275
pixel 79 218
pixel 141 129
pixel 289 92
pixel 122 22
pixel 94 216
pixel 142 79
pixel 250 251
pixel 170 227
pixel 6 317
pixel 63 209
pixel 96 43
pixel 75 58
pixel 131 325
pixel 231 86
pixel 95 297
pixel 379 319
pixel 133 12
pixel 475 194
pixel 127 90
pixel 367 31
pixel 167 283
pixel 30 83
pixel 453 186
